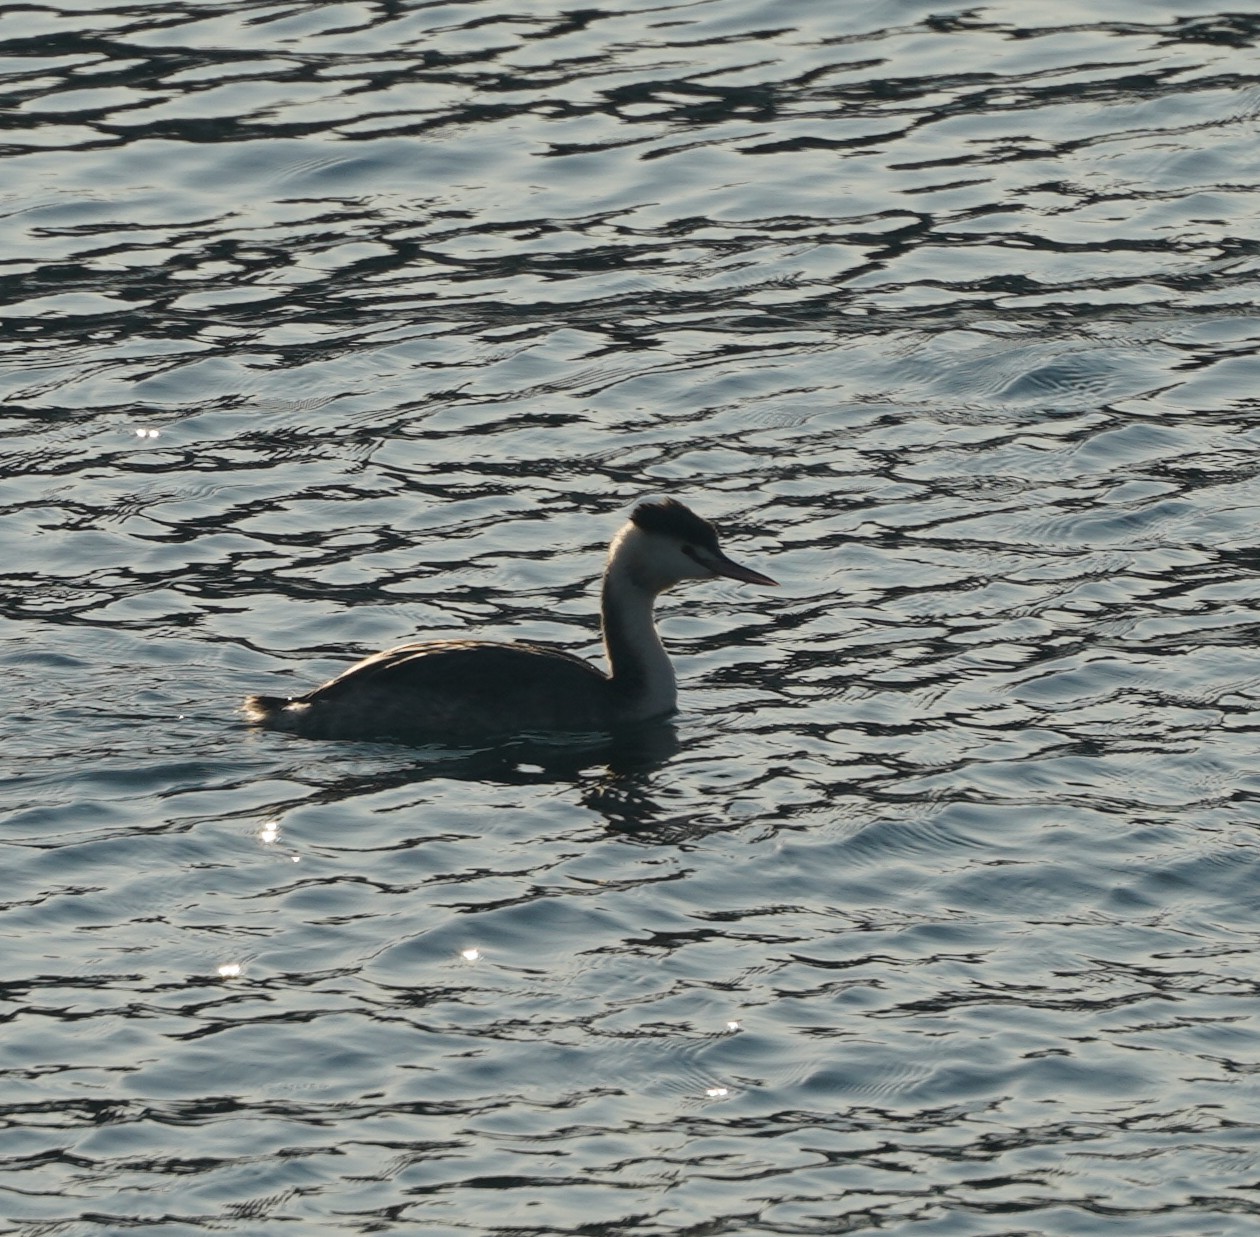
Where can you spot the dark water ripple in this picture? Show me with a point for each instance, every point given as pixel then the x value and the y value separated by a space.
pixel 327 325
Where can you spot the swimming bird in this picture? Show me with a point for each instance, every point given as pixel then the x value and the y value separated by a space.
pixel 450 688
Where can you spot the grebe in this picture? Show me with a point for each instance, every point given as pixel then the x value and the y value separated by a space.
pixel 461 687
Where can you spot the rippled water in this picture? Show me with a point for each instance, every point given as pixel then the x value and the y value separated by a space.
pixel 327 326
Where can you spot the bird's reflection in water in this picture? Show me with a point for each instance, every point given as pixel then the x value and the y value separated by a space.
pixel 612 773
pixel 621 793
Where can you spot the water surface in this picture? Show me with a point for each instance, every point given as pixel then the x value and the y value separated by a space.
pixel 331 326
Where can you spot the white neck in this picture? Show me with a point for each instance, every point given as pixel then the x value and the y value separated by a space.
pixel 640 667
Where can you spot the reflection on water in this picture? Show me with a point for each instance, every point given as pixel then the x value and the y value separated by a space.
pixel 328 327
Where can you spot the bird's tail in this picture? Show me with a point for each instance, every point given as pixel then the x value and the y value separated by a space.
pixel 265 710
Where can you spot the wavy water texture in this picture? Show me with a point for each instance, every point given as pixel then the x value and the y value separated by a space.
pixel 326 326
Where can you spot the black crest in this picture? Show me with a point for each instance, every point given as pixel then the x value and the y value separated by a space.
pixel 670 518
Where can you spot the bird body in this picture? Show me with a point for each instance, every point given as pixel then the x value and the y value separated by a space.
pixel 449 688
pixel 459 688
